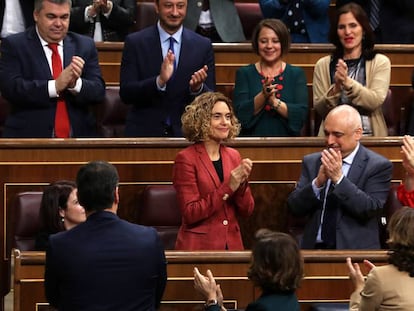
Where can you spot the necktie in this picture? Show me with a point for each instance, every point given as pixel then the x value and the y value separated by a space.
pixel 328 233
pixel 206 5
pixel 374 14
pixel 172 40
pixel 62 125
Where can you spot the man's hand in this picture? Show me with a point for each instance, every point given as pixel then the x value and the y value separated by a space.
pixel 198 78
pixel 69 75
pixel 332 162
pixel 167 69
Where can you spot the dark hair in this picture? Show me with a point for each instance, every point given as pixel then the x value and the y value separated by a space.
pixel 278 27
pixel 55 197
pixel 197 117
pixel 368 40
pixel 97 181
pixel 277 264
pixel 401 240
pixel 38 5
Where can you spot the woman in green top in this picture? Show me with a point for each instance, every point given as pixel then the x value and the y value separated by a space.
pixel 270 96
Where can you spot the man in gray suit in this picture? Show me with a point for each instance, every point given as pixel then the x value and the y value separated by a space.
pixel 215 19
pixel 342 189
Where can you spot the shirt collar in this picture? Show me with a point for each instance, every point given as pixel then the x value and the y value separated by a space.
pixel 164 36
pixel 350 158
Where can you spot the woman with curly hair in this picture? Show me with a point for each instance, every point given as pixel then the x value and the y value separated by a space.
pixel 210 178
pixel 277 268
pixel 388 287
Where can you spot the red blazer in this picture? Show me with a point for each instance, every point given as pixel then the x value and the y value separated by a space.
pixel 209 208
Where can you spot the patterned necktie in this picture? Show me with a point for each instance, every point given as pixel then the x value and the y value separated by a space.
pixel 62 125
pixel 374 14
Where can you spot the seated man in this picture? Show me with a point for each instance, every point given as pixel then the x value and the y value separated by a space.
pixel 343 188
pixel 104 263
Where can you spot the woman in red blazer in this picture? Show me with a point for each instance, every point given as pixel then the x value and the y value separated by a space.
pixel 211 179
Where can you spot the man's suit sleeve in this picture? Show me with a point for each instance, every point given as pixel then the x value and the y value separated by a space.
pixel 210 83
pixel 31 93
pixel 365 203
pixel 162 268
pixel 302 201
pixel 51 281
pixel 93 85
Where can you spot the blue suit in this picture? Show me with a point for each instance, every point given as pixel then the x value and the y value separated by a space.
pixel 103 264
pixel 360 198
pixel 315 16
pixel 24 76
pixel 141 64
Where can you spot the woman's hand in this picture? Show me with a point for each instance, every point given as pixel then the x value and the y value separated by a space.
pixel 355 273
pixel 240 174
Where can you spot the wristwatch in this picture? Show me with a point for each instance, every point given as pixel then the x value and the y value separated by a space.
pixel 211 302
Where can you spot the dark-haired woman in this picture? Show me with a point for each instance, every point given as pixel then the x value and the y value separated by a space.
pixel 388 287
pixel 270 96
pixel 277 268
pixel 354 74
pixel 59 211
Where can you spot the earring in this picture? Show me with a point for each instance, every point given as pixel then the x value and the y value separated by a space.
pixel 62 219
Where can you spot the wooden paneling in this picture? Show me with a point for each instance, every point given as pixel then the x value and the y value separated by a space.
pixel 325 278
pixel 29 164
pixel 230 56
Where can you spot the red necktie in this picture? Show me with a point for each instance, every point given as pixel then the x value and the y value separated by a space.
pixel 62 125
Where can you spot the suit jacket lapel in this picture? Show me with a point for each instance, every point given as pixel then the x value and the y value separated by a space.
pixel 358 165
pixel 39 53
pixel 207 163
pixel 68 51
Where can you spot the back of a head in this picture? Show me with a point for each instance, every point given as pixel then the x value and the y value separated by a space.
pixel 97 182
pixel 277 264
pixel 401 240
pixel 401 228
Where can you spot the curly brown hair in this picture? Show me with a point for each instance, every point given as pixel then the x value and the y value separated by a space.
pixel 277 264
pixel 196 118
pixel 401 240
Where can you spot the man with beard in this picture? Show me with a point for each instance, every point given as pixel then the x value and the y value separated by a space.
pixel 163 68
pixel 342 189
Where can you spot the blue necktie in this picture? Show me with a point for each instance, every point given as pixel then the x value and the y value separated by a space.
pixel 172 40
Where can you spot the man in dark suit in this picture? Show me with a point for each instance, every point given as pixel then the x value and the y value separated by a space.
pixel 342 189
pixel 10 11
pixel 26 76
pixel 163 68
pixel 103 20
pixel 104 263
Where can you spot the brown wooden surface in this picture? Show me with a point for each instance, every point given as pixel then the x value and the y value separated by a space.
pixel 325 279
pixel 30 164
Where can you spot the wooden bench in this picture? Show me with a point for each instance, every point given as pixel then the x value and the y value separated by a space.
pixel 326 278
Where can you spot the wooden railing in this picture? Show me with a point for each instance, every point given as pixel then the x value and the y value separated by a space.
pixel 326 278
pixel 30 164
